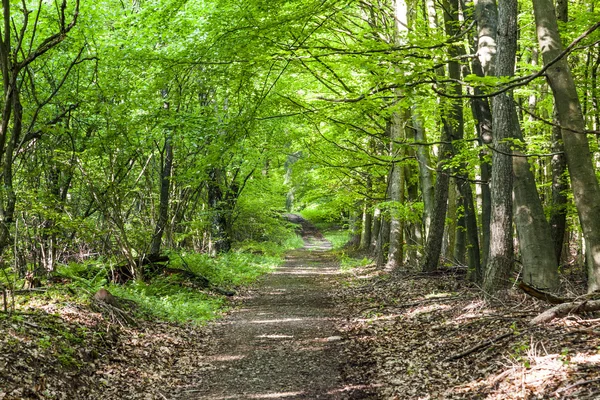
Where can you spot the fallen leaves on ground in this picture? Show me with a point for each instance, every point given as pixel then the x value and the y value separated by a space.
pixel 423 336
pixel 67 351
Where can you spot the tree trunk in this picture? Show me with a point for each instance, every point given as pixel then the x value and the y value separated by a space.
pixel 433 246
pixel 486 16
pixel 500 259
pixel 452 130
pixel 220 241
pixel 425 173
pixel 383 242
pixel 471 232
pixel 560 184
pixel 584 182
pixel 375 230
pixel 535 239
pixel 367 223
pixel 396 192
pixel 165 184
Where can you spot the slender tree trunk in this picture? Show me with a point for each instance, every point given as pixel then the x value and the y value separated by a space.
pixel 425 171
pixel 501 255
pixel 452 129
pixel 584 182
pixel 486 16
pixel 165 184
pixel 460 241
pixel 396 188
pixel 560 184
pixel 383 241
pixel 451 220
pixel 375 230
pixel 433 247
pixel 367 220
pixel 535 239
pixel 397 127
pixel 220 241
pixel 471 232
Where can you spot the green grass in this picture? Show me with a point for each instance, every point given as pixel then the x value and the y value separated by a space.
pixel 164 299
pixel 338 238
pixel 347 263
pixel 174 298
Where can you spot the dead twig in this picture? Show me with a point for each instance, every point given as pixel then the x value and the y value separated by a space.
pixel 541 295
pixel 482 345
pixel 578 383
pixel 565 309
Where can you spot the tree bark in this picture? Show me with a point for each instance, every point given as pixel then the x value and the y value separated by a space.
pixel 558 163
pixel 375 230
pixel 425 173
pixel 500 259
pixel 540 268
pixel 165 184
pixel 395 253
pixel 584 182
pixel 486 16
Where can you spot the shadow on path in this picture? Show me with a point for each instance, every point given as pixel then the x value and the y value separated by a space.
pixel 282 342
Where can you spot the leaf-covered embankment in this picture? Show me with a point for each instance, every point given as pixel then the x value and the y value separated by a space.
pixel 421 336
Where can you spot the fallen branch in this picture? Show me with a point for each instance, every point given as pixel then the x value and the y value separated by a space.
pixel 565 309
pixel 579 383
pixel 541 295
pixel 198 280
pixel 481 346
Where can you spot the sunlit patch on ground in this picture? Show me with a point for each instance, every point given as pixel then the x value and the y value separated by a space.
pixel 280 395
pixel 225 358
pixel 275 336
pixel 457 346
pixel 426 309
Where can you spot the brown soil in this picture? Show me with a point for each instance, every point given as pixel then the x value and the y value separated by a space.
pixel 282 342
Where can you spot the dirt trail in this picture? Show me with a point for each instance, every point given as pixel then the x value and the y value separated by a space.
pixel 282 342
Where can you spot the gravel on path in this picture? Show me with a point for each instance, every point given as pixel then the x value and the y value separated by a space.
pixel 282 342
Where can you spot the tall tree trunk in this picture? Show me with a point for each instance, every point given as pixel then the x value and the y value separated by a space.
pixel 165 184
pixel 486 16
pixel 584 182
pixel 535 239
pixel 501 255
pixel 220 241
pixel 452 130
pixel 433 246
pixel 425 173
pixel 396 193
pixel 375 231
pixel 471 232
pixel 397 127
pixel 367 219
pixel 560 184
pixel 383 240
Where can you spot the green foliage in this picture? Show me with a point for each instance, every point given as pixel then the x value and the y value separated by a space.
pixel 328 213
pixel 338 237
pixel 347 263
pixel 229 269
pixel 165 299
pixel 174 299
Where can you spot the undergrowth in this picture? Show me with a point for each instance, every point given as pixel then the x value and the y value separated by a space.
pixel 170 298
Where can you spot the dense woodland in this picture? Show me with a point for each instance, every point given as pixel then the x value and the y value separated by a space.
pixel 154 155
pixel 440 132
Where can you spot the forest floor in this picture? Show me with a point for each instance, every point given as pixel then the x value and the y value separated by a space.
pixel 309 331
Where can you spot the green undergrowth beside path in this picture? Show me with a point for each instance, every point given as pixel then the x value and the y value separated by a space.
pixel 170 298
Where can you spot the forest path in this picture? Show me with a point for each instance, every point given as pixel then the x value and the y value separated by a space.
pixel 282 342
